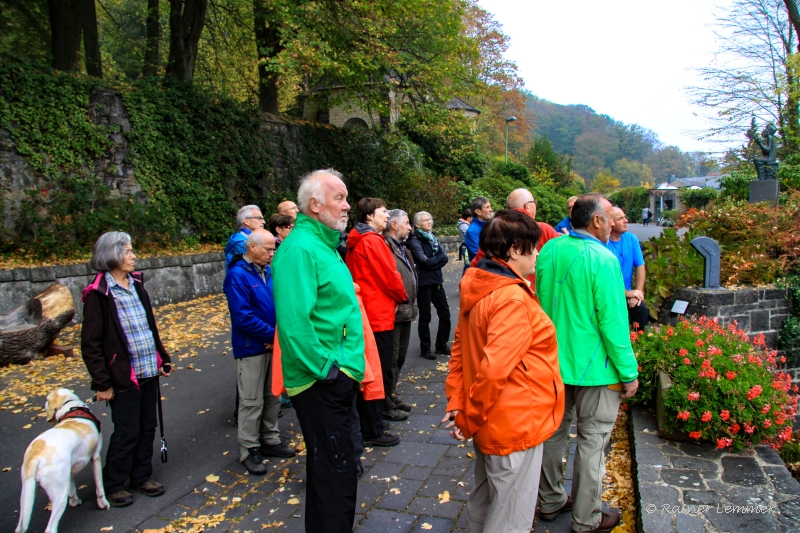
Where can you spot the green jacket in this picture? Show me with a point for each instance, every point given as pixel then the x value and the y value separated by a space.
pixel 319 321
pixel 580 287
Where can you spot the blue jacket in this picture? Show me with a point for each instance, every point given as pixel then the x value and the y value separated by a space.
pixel 252 307
pixel 473 235
pixel 235 245
pixel 564 224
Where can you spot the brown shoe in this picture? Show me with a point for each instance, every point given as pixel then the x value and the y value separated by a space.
pixel 549 517
pixel 120 499
pixel 609 521
pixel 149 488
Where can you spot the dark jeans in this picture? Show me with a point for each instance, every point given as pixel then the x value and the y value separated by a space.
pixel 130 449
pixel 370 415
pixel 402 335
pixel 639 314
pixel 385 342
pixel 425 296
pixel 325 414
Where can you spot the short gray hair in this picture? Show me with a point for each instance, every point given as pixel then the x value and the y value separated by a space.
pixel 418 215
pixel 395 214
pixel 108 252
pixel 311 187
pixel 255 237
pixel 243 213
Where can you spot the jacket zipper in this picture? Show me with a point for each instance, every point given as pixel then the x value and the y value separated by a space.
pixel 341 344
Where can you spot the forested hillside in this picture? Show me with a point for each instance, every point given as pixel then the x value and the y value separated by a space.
pixel 598 143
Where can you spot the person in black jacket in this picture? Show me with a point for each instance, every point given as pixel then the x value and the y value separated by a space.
pixel 430 257
pixel 124 356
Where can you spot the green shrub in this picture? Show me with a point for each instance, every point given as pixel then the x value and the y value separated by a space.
pixel 724 388
pixel 671 263
pixel 513 171
pixel 697 198
pixel 736 186
pixel 631 200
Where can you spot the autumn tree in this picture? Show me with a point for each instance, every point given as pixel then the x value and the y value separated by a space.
pixel 186 21
pixel 632 173
pixel 605 183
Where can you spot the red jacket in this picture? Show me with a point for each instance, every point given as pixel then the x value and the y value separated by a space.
pixel 373 267
pixel 547 233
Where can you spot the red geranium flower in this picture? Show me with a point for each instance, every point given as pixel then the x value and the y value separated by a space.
pixel 684 415
pixel 754 392
pixel 706 416
pixel 730 374
pixel 725 414
pixel 695 434
pixel 694 396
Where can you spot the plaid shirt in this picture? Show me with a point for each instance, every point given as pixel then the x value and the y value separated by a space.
pixel 132 317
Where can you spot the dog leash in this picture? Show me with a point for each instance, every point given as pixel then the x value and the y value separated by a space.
pixel 161 424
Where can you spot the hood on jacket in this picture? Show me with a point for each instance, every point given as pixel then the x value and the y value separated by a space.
pixel 487 276
pixel 360 232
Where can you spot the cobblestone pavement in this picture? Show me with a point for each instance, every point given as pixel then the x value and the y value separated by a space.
pixel 688 487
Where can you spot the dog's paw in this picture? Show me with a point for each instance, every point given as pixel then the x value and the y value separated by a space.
pixel 74 502
pixel 102 503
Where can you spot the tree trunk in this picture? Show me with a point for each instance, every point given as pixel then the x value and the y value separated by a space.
pixel 65 28
pixel 91 42
pixel 30 328
pixel 151 46
pixel 794 17
pixel 186 21
pixel 268 45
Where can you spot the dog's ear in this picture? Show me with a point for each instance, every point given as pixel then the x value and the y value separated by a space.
pixel 54 402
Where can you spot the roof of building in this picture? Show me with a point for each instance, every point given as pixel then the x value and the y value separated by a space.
pixel 700 182
pixel 458 103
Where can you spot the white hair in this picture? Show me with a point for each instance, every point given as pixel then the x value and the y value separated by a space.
pixel 418 215
pixel 243 213
pixel 108 252
pixel 311 187
pixel 395 215
pixel 256 237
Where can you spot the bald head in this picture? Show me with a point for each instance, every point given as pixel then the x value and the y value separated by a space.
pixel 522 199
pixel 288 208
pixel 260 246
pixel 620 223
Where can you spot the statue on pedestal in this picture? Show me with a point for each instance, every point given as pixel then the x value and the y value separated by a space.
pixel 766 166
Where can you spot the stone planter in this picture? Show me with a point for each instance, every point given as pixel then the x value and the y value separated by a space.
pixel 664 383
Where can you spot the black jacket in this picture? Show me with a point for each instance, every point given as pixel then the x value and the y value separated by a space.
pixel 429 265
pixel 103 343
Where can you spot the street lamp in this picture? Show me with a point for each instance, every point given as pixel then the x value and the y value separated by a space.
pixel 509 119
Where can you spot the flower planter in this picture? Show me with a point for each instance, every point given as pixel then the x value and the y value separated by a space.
pixel 663 383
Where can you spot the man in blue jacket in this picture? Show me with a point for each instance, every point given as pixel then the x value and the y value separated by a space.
pixel 248 218
pixel 481 214
pixel 248 287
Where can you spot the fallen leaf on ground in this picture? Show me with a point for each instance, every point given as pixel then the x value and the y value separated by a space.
pixel 211 478
pixel 225 453
pixel 107 528
pixel 292 501
pixel 444 497
pixel 6 469
pixel 236 499
pixel 49 506
pixel 470 455
pixel 82 487
pixel 26 426
pixel 363 505
pixel 394 490
pixel 426 526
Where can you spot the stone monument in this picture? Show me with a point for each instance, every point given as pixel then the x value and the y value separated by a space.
pixel 765 189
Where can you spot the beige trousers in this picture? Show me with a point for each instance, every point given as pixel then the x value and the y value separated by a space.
pixel 258 408
pixel 504 497
pixel 596 409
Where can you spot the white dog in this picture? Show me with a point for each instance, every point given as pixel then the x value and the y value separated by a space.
pixel 57 454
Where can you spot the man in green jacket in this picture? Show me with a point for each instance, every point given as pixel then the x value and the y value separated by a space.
pixel 322 343
pixel 580 287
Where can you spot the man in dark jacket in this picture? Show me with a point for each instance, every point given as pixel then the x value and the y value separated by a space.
pixel 248 287
pixel 397 230
pixel 430 257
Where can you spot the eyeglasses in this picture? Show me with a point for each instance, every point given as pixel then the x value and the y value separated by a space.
pixel 531 202
pixel 257 218
pixel 290 226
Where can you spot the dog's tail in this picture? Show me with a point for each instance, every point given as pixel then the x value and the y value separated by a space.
pixel 26 501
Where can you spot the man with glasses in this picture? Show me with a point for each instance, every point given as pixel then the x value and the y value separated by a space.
pixel 248 219
pixel 565 226
pixel 481 214
pixel 248 288
pixel 288 207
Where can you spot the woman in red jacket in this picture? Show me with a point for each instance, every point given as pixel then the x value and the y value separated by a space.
pixel 373 267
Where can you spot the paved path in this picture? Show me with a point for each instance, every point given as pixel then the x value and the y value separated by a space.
pixel 402 490
pixel 645 233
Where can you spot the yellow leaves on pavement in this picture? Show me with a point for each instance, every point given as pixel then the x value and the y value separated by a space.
pixel 619 475
pixel 7 469
pixel 211 478
pixel 444 497
pixel 292 501
pixel 426 525
pixel 26 426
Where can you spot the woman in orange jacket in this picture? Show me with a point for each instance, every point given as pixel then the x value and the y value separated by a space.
pixel 504 389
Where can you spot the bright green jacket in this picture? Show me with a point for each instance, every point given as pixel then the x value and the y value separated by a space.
pixel 580 287
pixel 319 321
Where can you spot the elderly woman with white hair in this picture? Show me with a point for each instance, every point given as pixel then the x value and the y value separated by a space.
pixel 124 356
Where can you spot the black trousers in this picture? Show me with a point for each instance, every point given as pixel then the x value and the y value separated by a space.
pixel 425 296
pixel 639 314
pixel 385 342
pixel 325 413
pixel 130 449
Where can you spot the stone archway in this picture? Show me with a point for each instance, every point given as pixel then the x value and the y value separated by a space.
pixel 356 124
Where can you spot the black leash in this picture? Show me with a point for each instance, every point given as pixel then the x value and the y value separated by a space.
pixel 161 424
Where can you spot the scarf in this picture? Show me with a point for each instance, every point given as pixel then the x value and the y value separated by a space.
pixel 431 238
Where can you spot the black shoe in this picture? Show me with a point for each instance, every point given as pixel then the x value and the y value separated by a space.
pixel 401 405
pixel 443 351
pixel 428 355
pixel 549 517
pixel 120 499
pixel 277 450
pixel 386 440
pixel 395 415
pixel 254 463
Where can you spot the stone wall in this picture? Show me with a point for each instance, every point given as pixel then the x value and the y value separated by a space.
pixel 167 279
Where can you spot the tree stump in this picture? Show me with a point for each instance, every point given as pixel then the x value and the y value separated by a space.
pixel 28 329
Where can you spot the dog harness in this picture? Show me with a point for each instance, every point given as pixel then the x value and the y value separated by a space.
pixel 81 411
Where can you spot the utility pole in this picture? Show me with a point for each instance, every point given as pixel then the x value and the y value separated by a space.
pixel 509 119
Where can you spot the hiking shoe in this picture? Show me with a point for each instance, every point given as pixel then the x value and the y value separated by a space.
pixel 549 517
pixel 395 415
pixel 286 403
pixel 428 355
pixel 254 463
pixel 149 488
pixel 120 499
pixel 386 440
pixel 401 405
pixel 607 523
pixel 277 450
pixel 443 351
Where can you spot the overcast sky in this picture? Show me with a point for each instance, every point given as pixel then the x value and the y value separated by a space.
pixel 629 59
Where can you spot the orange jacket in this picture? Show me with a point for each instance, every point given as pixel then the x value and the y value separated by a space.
pixel 504 375
pixel 371 387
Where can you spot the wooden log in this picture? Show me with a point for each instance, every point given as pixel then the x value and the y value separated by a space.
pixel 28 329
